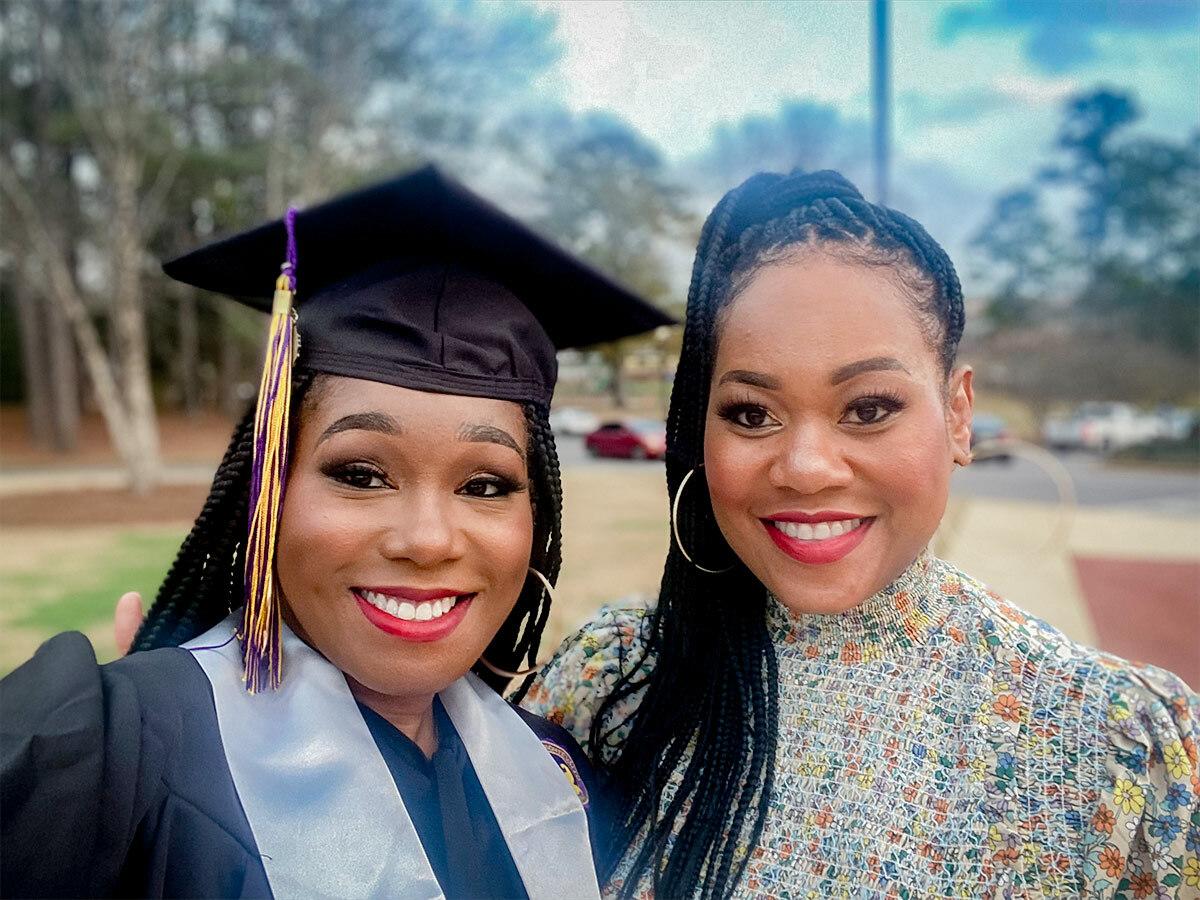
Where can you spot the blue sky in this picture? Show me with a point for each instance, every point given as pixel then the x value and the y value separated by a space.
pixel 977 86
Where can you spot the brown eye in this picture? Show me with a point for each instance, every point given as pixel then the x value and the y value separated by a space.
pixel 871 411
pixel 488 487
pixel 750 416
pixel 357 476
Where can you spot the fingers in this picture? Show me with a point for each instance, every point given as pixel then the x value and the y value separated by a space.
pixel 126 620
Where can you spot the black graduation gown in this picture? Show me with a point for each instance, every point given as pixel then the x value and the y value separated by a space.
pixel 114 782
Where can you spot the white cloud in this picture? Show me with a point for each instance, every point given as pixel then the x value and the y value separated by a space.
pixel 676 69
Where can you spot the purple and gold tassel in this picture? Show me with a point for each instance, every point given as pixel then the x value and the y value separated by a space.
pixel 261 637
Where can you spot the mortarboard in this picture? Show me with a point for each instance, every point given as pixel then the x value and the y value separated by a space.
pixel 415 282
pixel 419 282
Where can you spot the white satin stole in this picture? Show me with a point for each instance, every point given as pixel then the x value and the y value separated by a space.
pixel 322 804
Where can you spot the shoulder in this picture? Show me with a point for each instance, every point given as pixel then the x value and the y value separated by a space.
pixel 570 689
pixel 63 687
pixel 89 756
pixel 1049 656
pixel 1138 722
pixel 146 703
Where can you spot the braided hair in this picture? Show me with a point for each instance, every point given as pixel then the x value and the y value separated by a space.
pixel 712 695
pixel 205 582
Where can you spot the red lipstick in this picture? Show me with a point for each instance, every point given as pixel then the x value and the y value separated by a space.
pixel 817 552
pixel 412 629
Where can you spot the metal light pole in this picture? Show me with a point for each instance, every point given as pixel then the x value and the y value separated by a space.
pixel 881 96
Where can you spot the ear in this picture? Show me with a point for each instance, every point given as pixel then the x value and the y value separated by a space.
pixel 959 410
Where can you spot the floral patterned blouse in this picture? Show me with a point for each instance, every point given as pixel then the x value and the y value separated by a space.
pixel 938 741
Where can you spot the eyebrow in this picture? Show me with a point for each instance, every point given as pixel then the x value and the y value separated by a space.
pixel 873 364
pixel 490 434
pixel 754 379
pixel 368 421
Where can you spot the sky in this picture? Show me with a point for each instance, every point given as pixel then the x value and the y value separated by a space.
pixel 977 86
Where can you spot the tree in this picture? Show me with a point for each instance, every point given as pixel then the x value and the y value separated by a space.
pixel 1022 246
pixel 607 196
pixel 109 58
pixel 1129 265
pixel 134 128
pixel 1088 139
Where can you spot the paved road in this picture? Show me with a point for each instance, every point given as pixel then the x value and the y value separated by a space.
pixel 1096 484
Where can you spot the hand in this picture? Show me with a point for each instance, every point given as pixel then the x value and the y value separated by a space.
pixel 127 619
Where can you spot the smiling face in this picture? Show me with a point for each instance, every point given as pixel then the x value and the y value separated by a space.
pixel 831 431
pixel 406 531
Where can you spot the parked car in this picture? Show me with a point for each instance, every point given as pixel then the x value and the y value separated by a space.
pixel 572 421
pixel 1101 426
pixel 990 429
pixel 1175 424
pixel 633 439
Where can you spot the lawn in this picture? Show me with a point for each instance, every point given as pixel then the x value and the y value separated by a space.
pixel 55 579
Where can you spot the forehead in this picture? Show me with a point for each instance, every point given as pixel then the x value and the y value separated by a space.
pixel 334 396
pixel 821 311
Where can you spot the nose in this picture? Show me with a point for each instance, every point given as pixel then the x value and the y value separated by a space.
pixel 421 529
pixel 812 459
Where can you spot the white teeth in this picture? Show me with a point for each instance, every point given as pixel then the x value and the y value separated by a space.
pixel 403 609
pixel 819 532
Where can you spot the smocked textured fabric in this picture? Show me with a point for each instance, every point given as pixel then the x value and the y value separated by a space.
pixel 938 741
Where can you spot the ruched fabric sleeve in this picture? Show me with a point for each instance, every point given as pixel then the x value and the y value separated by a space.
pixel 113 781
pixel 1144 836
pixel 570 689
pixel 71 780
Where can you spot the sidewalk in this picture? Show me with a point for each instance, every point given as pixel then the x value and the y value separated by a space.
pixel 1126 581
pixel 42 480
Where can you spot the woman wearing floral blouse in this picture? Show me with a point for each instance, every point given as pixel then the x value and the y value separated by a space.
pixel 815 706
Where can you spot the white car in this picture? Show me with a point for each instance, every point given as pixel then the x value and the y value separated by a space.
pixel 1101 426
pixel 573 422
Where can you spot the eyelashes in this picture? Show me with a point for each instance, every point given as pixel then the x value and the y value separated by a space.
pixel 881 401
pixel 870 409
pixel 356 475
pixel 746 414
pixel 365 476
pixel 490 486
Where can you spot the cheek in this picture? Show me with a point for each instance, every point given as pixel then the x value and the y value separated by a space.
pixel 505 546
pixel 732 468
pixel 914 470
pixel 316 539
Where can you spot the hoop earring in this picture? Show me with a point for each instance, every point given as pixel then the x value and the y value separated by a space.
pixel 521 673
pixel 675 526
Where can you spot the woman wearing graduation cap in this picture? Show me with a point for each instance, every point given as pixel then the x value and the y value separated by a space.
pixel 317 715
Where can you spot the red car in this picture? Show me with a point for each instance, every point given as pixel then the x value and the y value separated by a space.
pixel 635 439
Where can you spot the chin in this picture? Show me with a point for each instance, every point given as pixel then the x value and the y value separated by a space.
pixel 828 601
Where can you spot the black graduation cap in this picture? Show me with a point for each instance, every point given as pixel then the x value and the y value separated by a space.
pixel 419 282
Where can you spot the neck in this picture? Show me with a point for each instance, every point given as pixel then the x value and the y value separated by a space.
pixel 412 716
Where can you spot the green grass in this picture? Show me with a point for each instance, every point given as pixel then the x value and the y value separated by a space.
pixel 69 580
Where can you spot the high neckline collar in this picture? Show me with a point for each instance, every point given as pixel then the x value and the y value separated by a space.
pixel 904 614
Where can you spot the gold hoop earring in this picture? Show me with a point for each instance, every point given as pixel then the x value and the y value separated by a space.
pixel 521 673
pixel 675 526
